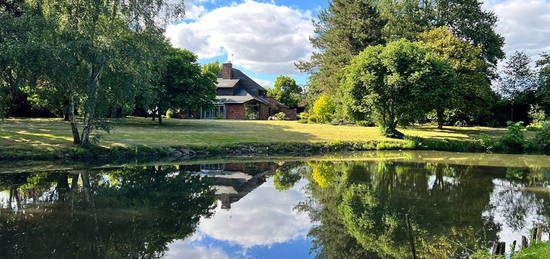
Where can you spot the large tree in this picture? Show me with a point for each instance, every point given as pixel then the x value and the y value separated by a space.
pixel 286 91
pixel 343 30
pixel 347 27
pixel 473 92
pixel 543 65
pixel 183 85
pixel 104 52
pixel 397 84
pixel 517 77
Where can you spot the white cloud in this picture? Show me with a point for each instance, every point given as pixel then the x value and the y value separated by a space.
pixel 264 83
pixel 188 249
pixel 193 11
pixel 525 24
pixel 261 37
pixel 263 217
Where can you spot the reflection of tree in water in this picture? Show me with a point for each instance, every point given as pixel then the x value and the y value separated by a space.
pixel 361 207
pixel 128 213
pixel 516 206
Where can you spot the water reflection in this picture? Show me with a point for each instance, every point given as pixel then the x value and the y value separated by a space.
pixel 351 209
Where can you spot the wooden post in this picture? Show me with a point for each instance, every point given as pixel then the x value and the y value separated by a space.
pixel 538 233
pixel 411 237
pixel 500 248
pixel 524 242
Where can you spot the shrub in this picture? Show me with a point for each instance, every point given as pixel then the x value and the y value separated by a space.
pixel 513 140
pixel 324 109
pixel 486 142
pixel 364 123
pixel 312 119
pixel 169 114
pixel 280 116
pixel 542 138
pixel 537 117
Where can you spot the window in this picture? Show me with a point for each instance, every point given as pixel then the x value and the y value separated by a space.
pixel 218 112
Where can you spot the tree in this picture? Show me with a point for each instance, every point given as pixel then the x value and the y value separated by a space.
pixel 517 77
pixel 469 21
pixel 285 179
pixel 183 85
pixel 343 30
pixel 212 67
pixel 543 92
pixel 397 83
pixel 286 91
pixel 473 91
pixel 323 108
pixel 105 51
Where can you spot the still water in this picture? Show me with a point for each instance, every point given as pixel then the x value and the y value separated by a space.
pixel 339 207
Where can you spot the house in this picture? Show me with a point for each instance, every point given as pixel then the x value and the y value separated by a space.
pixel 241 98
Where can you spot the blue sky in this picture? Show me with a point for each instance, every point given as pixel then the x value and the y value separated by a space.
pixel 265 38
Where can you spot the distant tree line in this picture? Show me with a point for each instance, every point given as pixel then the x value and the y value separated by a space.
pixel 393 62
pixel 90 60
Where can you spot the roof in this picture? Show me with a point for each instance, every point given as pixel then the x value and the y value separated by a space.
pixel 222 83
pixel 243 81
pixel 240 98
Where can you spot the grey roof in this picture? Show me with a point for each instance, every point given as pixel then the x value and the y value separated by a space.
pixel 227 82
pixel 240 98
pixel 244 81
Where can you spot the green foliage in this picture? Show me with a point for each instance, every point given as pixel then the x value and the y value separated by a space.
pixel 212 67
pixel 389 81
pixel 343 30
pixel 513 140
pixel 539 250
pixel 537 117
pixel 183 85
pixel 280 116
pixel 286 91
pixel 517 77
pixel 323 109
pixel 285 179
pixel 468 99
pixel 542 138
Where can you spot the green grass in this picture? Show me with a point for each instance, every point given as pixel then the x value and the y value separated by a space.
pixel 536 251
pixel 26 136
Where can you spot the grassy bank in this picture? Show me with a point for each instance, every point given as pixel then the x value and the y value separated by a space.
pixel 51 138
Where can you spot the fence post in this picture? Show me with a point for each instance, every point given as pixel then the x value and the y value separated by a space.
pixel 524 242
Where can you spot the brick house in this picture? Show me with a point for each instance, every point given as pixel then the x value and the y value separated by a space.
pixel 241 98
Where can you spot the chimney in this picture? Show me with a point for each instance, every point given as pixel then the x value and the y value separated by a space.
pixel 226 72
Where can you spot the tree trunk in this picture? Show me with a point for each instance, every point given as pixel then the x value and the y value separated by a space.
pixel 72 119
pixel 90 106
pixel 512 111
pixel 66 108
pixel 160 115
pixel 440 114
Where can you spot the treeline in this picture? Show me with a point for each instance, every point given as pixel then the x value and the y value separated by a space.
pixel 395 62
pixel 90 60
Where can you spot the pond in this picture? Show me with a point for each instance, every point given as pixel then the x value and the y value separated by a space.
pixel 341 206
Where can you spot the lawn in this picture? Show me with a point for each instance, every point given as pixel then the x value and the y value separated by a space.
pixel 51 134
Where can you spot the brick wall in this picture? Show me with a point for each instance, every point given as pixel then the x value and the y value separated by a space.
pixel 276 107
pixel 264 111
pixel 234 111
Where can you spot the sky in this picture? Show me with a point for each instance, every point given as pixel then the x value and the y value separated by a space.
pixel 265 38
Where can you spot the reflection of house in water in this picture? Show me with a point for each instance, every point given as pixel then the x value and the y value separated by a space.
pixel 233 181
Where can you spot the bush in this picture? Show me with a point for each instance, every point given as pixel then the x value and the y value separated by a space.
pixel 169 114
pixel 323 109
pixel 542 138
pixel 537 117
pixel 513 140
pixel 364 123
pixel 312 119
pixel 280 116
